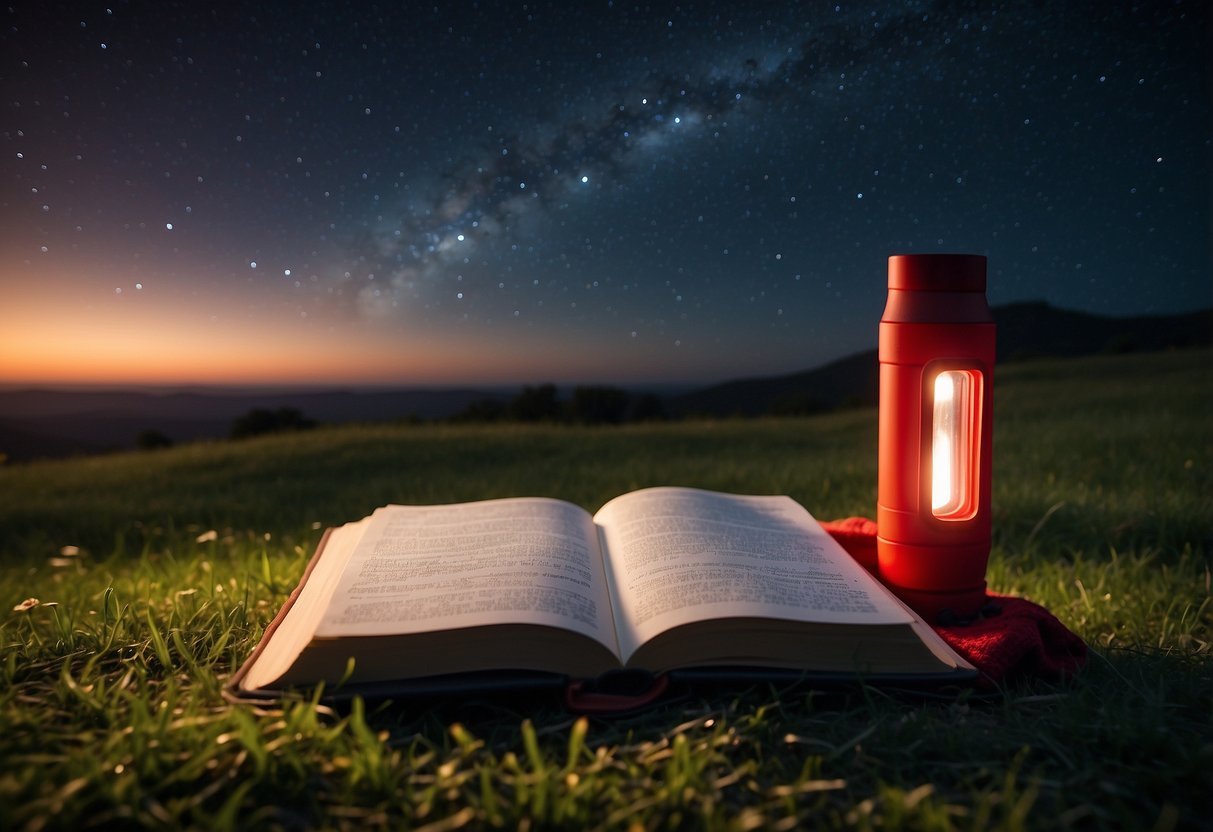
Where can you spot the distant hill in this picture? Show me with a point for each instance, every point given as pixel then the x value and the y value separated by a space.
pixel 1038 330
pixel 37 424
pixel 849 381
pixel 1025 330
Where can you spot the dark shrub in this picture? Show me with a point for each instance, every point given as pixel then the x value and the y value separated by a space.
pixel 536 404
pixel 262 420
pixel 150 440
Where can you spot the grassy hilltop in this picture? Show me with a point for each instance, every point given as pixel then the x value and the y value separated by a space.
pixel 157 573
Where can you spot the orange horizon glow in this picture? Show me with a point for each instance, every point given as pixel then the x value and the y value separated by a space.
pixel 159 341
pixel 112 345
pixel 74 323
pixel 173 354
pixel 58 329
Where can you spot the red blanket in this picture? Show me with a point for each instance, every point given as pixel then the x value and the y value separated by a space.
pixel 1014 638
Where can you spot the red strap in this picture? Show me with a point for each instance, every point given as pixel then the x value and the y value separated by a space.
pixel 579 697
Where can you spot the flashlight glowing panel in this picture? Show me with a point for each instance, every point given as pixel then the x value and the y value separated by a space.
pixel 955 423
pixel 933 503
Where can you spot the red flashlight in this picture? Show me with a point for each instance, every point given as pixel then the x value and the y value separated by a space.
pixel 936 392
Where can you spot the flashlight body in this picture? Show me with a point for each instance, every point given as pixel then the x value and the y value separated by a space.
pixel 935 438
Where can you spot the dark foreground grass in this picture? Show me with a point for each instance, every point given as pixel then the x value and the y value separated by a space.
pixel 156 574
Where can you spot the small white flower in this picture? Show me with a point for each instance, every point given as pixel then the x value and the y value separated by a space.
pixel 207 537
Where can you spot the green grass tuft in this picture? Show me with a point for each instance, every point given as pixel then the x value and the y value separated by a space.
pixel 156 574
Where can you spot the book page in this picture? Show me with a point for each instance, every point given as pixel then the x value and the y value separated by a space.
pixel 515 561
pixel 294 629
pixel 679 555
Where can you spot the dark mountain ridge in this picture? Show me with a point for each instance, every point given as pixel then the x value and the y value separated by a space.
pixel 1032 329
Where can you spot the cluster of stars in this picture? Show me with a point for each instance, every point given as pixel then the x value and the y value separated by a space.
pixel 508 175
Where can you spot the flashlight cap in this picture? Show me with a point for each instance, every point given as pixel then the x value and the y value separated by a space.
pixel 938 272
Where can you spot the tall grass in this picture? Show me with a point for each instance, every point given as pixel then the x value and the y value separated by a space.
pixel 156 574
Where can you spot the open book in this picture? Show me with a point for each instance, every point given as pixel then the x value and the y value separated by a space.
pixel 661 579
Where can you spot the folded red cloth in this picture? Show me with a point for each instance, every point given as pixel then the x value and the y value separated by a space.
pixel 1016 638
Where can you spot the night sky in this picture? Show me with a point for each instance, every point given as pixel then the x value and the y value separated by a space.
pixel 499 193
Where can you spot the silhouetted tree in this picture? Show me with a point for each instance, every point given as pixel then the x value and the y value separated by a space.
pixel 598 405
pixel 481 410
pixel 261 421
pixel 536 404
pixel 648 407
pixel 151 439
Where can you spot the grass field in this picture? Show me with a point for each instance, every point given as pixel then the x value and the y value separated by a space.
pixel 157 572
